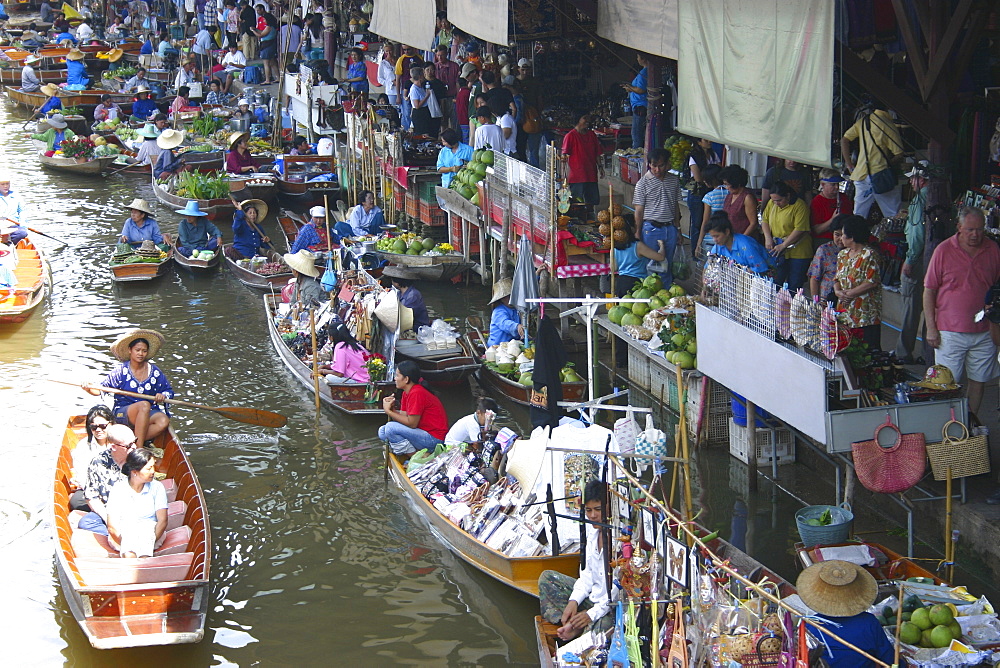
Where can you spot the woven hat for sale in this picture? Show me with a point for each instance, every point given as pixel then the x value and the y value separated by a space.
pixel 392 314
pixel 120 347
pixel 524 461
pixel 837 588
pixel 303 262
pixel 938 377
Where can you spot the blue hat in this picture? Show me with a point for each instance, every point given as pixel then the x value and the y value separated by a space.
pixel 191 209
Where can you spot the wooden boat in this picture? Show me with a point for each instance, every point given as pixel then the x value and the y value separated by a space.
pixel 12 77
pixel 34 282
pixel 252 279
pixel 441 367
pixel 158 600
pixel 20 7
pixel 896 566
pixel 254 186
pixel 197 266
pixel 32 101
pixel 217 209
pixel 289 229
pixel 298 169
pixel 141 271
pixel 346 397
pixel 93 167
pixel 520 573
pixel 516 392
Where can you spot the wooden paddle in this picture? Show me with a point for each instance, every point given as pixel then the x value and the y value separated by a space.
pixel 255 416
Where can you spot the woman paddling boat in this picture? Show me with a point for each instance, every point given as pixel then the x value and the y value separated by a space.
pixel 140 226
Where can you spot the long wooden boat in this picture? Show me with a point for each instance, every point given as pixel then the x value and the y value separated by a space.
pixel 12 77
pixel 448 367
pixel 346 397
pixel 252 279
pixel 158 600
pixel 34 282
pixel 93 167
pixel 217 209
pixel 294 183
pixel 520 572
pixel 32 101
pixel 289 229
pixel 254 186
pixel 141 271
pixel 516 392
pixel 896 567
pixel 197 266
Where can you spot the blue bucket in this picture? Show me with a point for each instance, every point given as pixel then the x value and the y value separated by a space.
pixel 839 531
pixel 739 407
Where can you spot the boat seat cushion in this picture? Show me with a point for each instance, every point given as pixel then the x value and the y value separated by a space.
pixel 100 572
pixel 94 545
pixel 171 488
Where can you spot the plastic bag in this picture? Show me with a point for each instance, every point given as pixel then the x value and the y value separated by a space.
pixel 626 432
pixel 679 266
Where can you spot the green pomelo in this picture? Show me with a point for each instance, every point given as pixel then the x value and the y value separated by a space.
pixel 631 319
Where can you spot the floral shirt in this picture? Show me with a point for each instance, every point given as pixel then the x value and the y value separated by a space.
pixel 102 474
pixel 852 272
pixel 122 379
pixel 824 268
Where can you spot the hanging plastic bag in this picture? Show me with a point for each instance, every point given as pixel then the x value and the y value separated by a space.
pixel 626 432
pixel 329 280
pixel 679 266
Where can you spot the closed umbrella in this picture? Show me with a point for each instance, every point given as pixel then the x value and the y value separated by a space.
pixel 525 285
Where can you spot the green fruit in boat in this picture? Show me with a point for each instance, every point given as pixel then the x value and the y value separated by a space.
pixel 941 615
pixel 640 309
pixel 925 639
pixel 398 246
pixel 428 243
pixel 941 636
pixel 643 293
pixel 922 618
pixel 684 360
pixel 909 633
pixel 617 313
pixel 486 158
pixel 631 319
pixel 412 251
pixel 525 379
pixel 416 245
pixel 663 294
pixel 888 612
pixel 480 170
pixel 907 616
pixel 475 199
pixel 692 347
pixel 677 291
pixel 653 283
pixel 956 629
pixel 655 303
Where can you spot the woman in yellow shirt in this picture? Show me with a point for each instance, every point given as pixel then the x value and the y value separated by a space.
pixel 786 235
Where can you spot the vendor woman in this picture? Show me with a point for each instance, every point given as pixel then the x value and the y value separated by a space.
pixel 239 160
pixel 505 322
pixel 56 134
pixel 248 238
pixel 312 235
pixel 140 225
pixel 308 292
pixel 840 593
pixel 420 421
pixel 366 218
pixel 739 248
pixel 402 280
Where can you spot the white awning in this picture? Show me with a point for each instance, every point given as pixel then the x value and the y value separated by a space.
pixel 409 22
pixel 758 74
pixel 484 19
pixel 647 25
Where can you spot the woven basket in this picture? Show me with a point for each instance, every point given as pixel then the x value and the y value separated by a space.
pixel 966 455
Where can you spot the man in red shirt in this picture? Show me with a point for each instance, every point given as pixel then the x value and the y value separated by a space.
pixel 582 151
pixel 420 422
pixel 960 273
pixel 828 204
pixel 447 71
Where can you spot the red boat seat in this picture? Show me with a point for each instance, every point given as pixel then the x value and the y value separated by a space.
pixel 100 571
pixel 87 544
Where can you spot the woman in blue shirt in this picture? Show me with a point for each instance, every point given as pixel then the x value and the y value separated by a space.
pixel 505 322
pixel 452 156
pixel 631 260
pixel 143 107
pixel 637 99
pixel 247 236
pixel 357 72
pixel 140 226
pixel 739 248
pixel 76 72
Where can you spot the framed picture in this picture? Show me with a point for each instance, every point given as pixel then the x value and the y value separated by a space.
pixel 675 562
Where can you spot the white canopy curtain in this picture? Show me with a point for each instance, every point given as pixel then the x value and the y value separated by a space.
pixel 758 74
pixel 484 19
pixel 647 25
pixel 409 22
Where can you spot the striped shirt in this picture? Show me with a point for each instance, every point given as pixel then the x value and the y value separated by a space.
pixel 716 199
pixel 658 197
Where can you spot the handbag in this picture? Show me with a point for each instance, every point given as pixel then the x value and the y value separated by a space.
pixel 891 469
pixel 885 180
pixel 626 431
pixel 329 280
pixel 532 124
pixel 433 104
pixel 966 455
pixel 652 442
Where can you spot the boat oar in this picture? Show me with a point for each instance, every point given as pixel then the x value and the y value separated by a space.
pixel 34 231
pixel 255 416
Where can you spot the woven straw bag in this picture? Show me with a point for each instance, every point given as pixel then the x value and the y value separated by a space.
pixel 966 455
pixel 891 469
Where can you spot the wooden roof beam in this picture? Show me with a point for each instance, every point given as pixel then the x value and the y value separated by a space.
pixel 942 54
pixel 914 47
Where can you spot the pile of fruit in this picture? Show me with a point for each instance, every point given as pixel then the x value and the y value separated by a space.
pixel 126 133
pixel 923 626
pixel 652 289
pixel 124 73
pixel 272 269
pixel 108 125
pixel 680 150
pixel 410 244
pixel 466 179
pixel 675 330
pixel 506 360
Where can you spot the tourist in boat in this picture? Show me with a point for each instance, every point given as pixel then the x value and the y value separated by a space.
pixel 840 593
pixel 12 210
pixel 140 225
pixel 144 106
pixel 76 72
pixel 29 79
pixel 169 163
pixel 248 239
pixel 505 321
pixel 107 110
pixel 99 418
pixel 56 134
pixel 137 374
pixel 51 104
pixel 739 248
pixel 149 152
pixel 470 428
pixel 239 160
pixel 104 473
pixel 365 218
pixel 308 292
pixel 347 355
pixel 420 422
pixel 137 507
pixel 312 235
pixel 581 604
pixel 196 232
pixel 402 280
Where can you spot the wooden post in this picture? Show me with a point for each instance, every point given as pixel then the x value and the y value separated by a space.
pixel 685 450
pixel 315 355
pixel 613 269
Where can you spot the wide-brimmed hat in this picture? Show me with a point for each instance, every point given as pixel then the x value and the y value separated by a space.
pixel 56 121
pixel 120 347
pixel 303 262
pixel 31 59
pixel 115 54
pixel 170 138
pixel 142 89
pixel 75 54
pixel 501 289
pixel 191 209
pixel 141 205
pixel 396 271
pixel 148 131
pixel 28 34
pixel 258 204
pixel 235 137
pixel 148 249
pixel 938 377
pixel 837 588
pixel 50 89
pixel 524 461
pixel 392 314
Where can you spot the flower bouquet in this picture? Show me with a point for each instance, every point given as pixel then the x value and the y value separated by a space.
pixel 375 366
pixel 81 148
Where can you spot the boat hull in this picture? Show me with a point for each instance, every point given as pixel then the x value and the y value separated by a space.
pixel 141 271
pixel 12 77
pixel 197 266
pixel 145 614
pixel 217 209
pixel 34 283
pixel 94 167
pixel 252 279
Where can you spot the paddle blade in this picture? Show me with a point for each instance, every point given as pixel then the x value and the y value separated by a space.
pixel 252 416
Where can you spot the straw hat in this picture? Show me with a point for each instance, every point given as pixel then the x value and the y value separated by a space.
pixel 524 462
pixel 142 89
pixel 191 209
pixel 303 262
pixel 141 205
pixel 148 249
pixel 56 121
pixel 501 289
pixel 392 314
pixel 115 54
pixel 235 137
pixel 31 59
pixel 75 54
pixel 170 138
pixel 837 588
pixel 258 204
pixel 120 347
pixel 148 131
pixel 395 271
pixel 50 89
pixel 29 34
pixel 938 377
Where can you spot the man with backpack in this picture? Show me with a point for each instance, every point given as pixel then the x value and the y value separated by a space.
pixel 874 172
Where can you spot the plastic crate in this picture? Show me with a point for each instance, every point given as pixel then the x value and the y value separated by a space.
pixel 426 190
pixel 412 205
pixel 457 236
pixel 739 445
pixel 717 424
pixel 496 212
pixel 398 197
pixel 431 214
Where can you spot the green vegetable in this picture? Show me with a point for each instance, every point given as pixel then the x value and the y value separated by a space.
pixel 196 185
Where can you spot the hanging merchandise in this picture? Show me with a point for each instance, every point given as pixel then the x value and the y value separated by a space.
pixel 891 469
pixel 965 455
pixel 652 442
